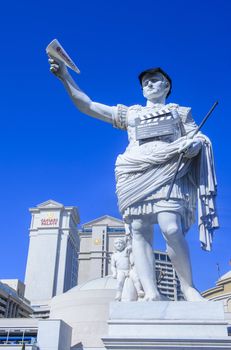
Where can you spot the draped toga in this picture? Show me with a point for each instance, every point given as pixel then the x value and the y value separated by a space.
pixel 144 172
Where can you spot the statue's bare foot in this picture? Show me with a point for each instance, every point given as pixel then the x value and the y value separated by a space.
pixel 153 296
pixel 118 296
pixel 140 293
pixel 191 294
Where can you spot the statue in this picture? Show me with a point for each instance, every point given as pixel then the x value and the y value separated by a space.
pixel 157 133
pixel 122 266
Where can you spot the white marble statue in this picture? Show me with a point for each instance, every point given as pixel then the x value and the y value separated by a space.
pixel 122 266
pixel 144 172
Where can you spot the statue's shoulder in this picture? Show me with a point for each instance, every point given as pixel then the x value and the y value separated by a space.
pixel 135 108
pixel 184 112
pixel 172 105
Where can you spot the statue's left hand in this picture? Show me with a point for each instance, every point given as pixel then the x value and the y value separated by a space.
pixel 193 148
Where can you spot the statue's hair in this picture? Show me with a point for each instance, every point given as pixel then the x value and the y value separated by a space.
pixel 153 71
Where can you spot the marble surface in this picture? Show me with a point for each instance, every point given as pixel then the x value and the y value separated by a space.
pixel 145 169
pixel 167 325
pixel 167 310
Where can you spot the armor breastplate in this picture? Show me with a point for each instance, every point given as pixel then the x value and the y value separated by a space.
pixel 162 125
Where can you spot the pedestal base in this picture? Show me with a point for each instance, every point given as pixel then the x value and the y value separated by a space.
pixel 167 325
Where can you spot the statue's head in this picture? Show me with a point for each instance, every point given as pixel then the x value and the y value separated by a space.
pixel 155 83
pixel 119 244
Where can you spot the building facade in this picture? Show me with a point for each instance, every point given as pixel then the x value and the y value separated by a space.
pixel 96 247
pixel 167 280
pixel 15 332
pixel 12 301
pixel 52 262
pixel 222 292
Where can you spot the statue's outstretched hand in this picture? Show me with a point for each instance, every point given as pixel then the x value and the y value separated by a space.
pixel 58 68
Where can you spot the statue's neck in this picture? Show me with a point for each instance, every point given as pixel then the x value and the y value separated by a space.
pixel 153 102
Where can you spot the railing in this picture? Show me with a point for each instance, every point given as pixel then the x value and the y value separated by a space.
pixel 14 340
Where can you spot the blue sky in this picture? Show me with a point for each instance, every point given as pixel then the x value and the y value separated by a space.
pixel 48 149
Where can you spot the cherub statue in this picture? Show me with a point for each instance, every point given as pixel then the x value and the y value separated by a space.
pixel 122 266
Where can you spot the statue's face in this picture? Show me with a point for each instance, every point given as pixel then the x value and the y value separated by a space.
pixel 119 245
pixel 154 86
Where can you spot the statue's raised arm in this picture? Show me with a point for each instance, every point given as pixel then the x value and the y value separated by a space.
pixel 81 100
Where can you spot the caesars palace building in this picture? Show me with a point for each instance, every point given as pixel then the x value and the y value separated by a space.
pixel 68 284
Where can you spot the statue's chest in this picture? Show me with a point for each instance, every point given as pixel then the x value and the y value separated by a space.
pixel 156 124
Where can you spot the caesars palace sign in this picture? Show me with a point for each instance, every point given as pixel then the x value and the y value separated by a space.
pixel 49 220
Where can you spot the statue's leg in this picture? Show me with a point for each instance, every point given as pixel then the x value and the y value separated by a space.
pixel 137 283
pixel 142 232
pixel 177 248
pixel 120 284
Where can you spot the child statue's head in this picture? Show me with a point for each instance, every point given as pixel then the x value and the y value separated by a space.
pixel 119 244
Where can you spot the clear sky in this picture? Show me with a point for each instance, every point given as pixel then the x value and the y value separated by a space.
pixel 49 150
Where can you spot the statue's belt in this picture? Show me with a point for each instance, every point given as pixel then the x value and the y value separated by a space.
pixel 155 126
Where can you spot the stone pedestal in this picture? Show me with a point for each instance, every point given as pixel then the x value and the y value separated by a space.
pixel 167 325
